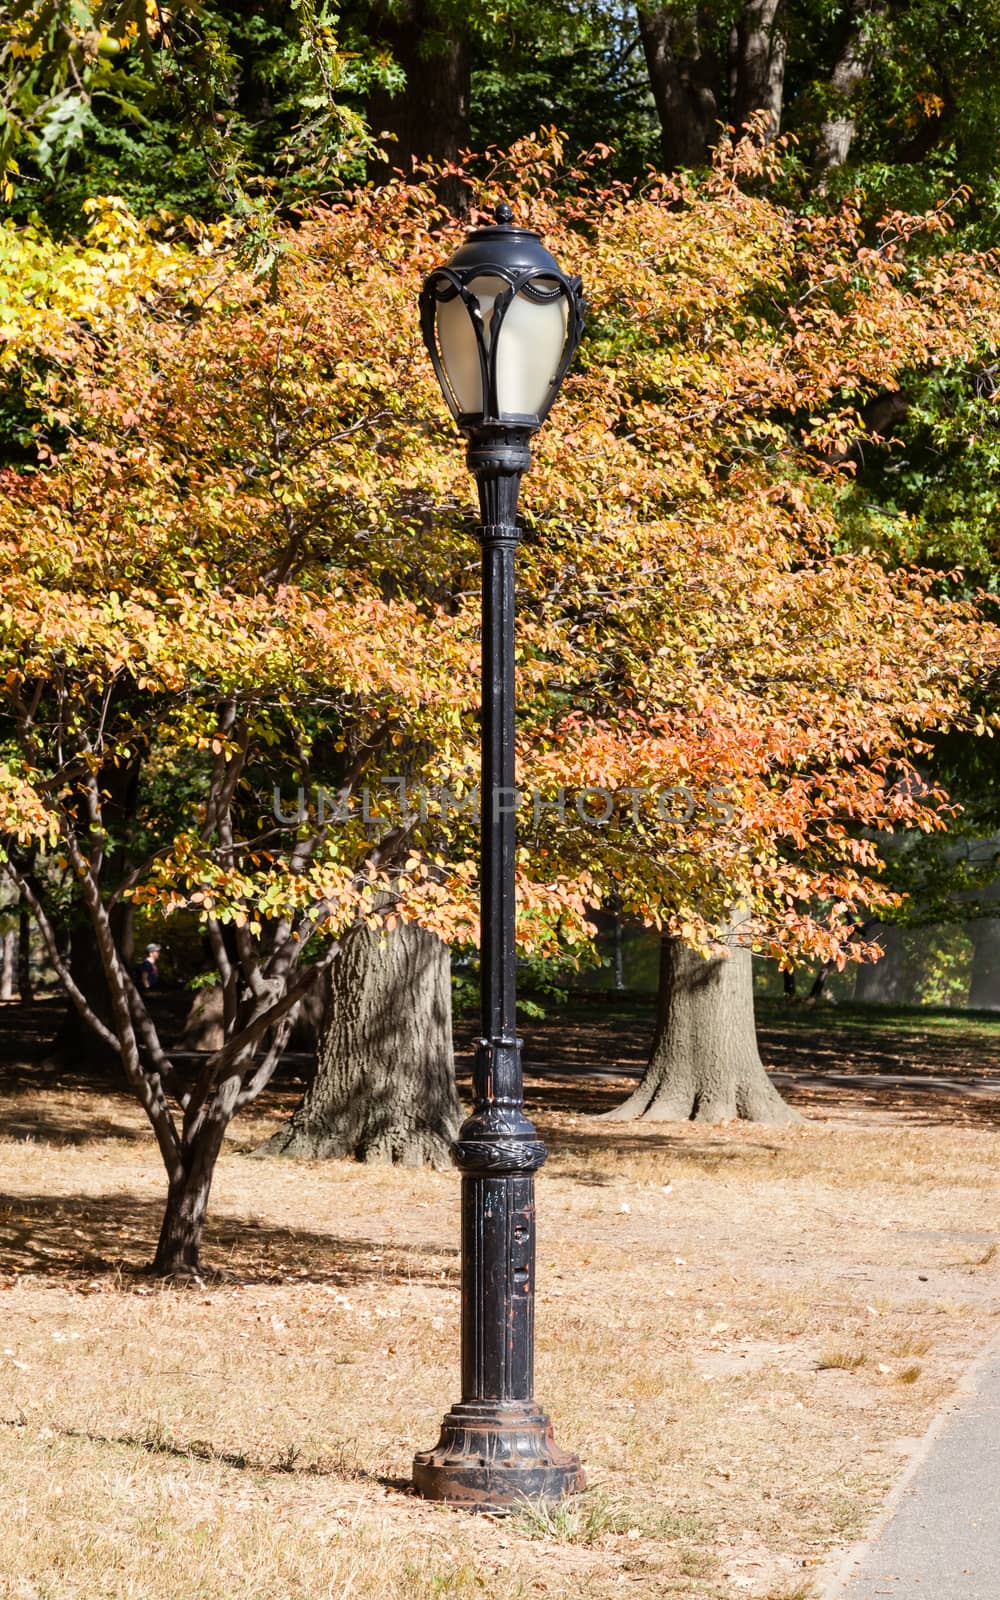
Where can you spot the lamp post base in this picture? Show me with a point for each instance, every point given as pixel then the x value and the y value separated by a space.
pixel 495 1457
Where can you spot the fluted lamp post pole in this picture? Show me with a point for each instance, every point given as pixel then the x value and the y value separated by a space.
pixel 501 323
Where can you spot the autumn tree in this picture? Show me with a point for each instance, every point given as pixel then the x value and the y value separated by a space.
pixel 785 337
pixel 162 616
pixel 205 519
pixel 240 558
pixel 658 677
pixel 927 491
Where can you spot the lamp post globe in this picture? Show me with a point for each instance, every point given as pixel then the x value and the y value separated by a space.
pixel 501 322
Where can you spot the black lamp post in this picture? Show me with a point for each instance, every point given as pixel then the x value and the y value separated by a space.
pixel 501 323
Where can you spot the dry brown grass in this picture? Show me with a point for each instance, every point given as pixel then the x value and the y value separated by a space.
pixel 836 1358
pixel 253 1438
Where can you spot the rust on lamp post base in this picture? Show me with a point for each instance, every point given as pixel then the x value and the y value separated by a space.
pixel 495 1459
pixel 496 1448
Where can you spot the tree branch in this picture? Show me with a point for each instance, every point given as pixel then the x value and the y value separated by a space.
pixel 23 884
pixel 148 1090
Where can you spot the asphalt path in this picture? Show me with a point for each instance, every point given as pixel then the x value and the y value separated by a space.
pixel 939 1538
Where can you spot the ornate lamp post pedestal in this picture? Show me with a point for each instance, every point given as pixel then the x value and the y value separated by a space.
pixel 501 323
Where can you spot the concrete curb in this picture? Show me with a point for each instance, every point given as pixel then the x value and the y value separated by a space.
pixel 968 1383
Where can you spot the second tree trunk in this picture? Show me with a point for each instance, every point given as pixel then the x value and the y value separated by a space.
pixel 704 1063
pixel 384 1088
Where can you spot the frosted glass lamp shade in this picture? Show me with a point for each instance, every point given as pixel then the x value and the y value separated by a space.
pixel 530 341
pixel 501 323
pixel 531 345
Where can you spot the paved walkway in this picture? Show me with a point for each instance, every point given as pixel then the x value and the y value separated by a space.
pixel 963 1087
pixel 942 1537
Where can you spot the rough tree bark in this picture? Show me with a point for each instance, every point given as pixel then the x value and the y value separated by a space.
pixel 759 61
pixel 8 963
pixel 705 1065
pixel 688 75
pixel 205 1024
pixel 850 70
pixel 429 116
pixel 384 1088
pixel 685 79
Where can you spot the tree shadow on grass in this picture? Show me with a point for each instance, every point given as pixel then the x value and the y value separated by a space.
pixel 57 1105
pixel 797 1043
pixel 704 1153
pixel 921 1098
pixel 96 1236
pixel 288 1463
pixel 568 1113
pixel 63 1122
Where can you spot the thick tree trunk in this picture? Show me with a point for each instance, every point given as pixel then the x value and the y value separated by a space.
pixel 178 1250
pixel 884 982
pixel 760 65
pixel 705 1064
pixel 851 69
pixel 384 1088
pixel 984 985
pixel 205 1024
pixel 685 82
pixel 429 116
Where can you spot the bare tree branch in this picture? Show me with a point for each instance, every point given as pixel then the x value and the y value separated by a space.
pixel 238 1050
pixel 148 1089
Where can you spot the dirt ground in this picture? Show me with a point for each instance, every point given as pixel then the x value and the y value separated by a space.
pixel 743 1332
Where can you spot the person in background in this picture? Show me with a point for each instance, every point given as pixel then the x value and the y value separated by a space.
pixel 149 971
